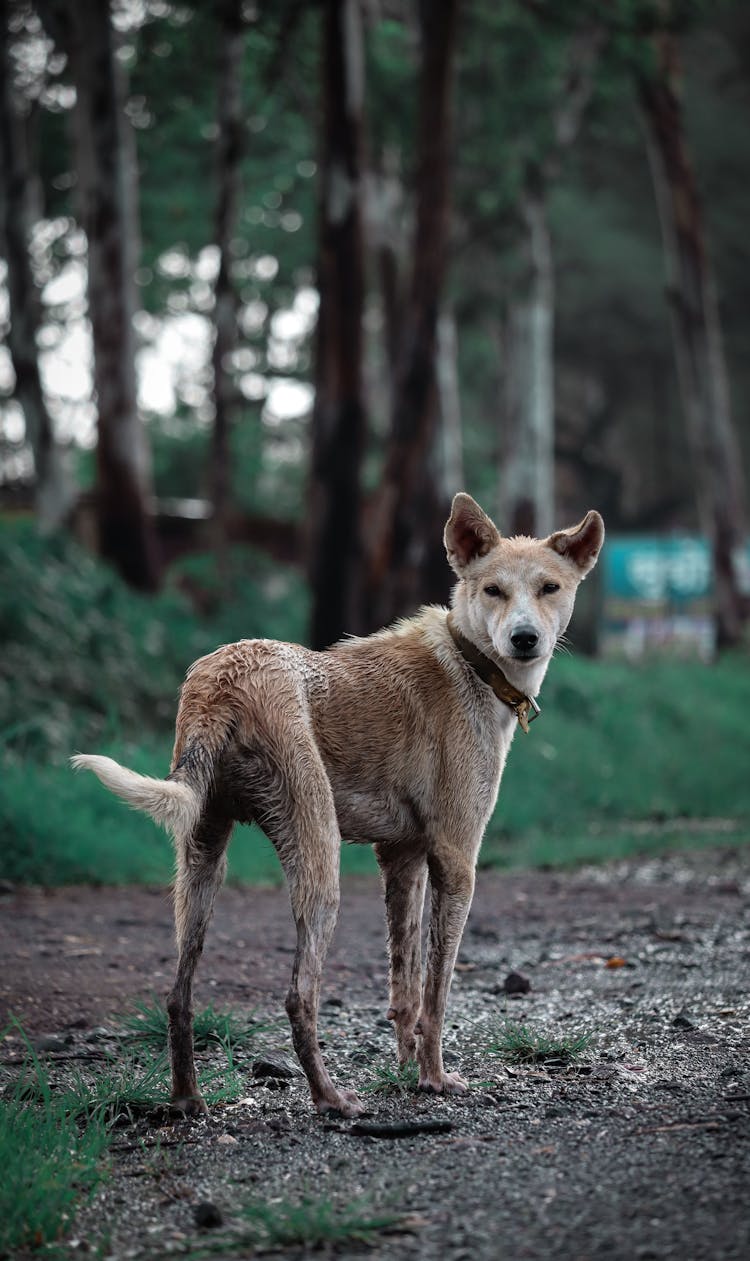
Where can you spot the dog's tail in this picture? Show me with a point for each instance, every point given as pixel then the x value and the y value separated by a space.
pixel 174 803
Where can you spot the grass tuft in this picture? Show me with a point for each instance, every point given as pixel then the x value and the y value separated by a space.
pixel 147 1024
pixel 49 1163
pixel 388 1079
pixel 309 1223
pixel 520 1044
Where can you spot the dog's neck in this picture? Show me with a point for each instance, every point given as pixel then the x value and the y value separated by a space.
pixel 490 672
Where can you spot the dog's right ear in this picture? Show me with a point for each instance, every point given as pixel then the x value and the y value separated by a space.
pixel 469 533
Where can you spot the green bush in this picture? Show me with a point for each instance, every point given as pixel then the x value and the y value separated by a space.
pixel 86 660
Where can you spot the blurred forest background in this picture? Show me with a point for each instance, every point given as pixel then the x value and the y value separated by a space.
pixel 276 280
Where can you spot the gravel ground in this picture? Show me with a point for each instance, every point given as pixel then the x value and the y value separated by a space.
pixel 640 1151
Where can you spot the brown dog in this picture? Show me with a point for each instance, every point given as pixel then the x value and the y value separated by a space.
pixel 398 740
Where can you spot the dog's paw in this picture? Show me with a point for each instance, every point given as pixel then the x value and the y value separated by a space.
pixel 342 1103
pixel 446 1084
pixel 187 1106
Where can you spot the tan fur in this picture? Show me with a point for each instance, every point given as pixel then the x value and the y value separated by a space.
pixel 176 807
pixel 391 740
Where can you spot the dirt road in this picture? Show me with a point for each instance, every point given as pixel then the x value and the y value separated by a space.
pixel 643 1151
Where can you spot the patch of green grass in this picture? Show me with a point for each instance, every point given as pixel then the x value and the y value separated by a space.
pixel 520 1044
pixel 148 1023
pixel 393 1079
pixel 309 1223
pixel 86 661
pixel 132 1087
pixel 620 743
pixel 50 1164
pixel 84 835
pixel 121 1089
pixel 124 1089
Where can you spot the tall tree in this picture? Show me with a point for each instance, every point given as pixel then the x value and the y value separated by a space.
pixel 527 483
pixel 106 198
pixel 696 331
pixel 53 491
pixel 229 147
pixel 406 565
pixel 338 426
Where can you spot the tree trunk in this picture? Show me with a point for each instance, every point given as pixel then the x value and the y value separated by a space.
pixel 126 533
pixel 527 490
pixel 406 559
pixel 696 331
pixel 338 424
pixel 527 487
pixel 450 406
pixel 229 162
pixel 53 492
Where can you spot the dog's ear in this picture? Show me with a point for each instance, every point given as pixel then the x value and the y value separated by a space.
pixel 582 543
pixel 468 533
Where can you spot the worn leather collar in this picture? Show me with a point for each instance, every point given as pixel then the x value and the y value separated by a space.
pixel 524 707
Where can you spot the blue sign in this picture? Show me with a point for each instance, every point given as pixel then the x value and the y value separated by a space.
pixel 657 597
pixel 671 570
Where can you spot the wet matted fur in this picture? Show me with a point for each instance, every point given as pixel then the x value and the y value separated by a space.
pixel 392 740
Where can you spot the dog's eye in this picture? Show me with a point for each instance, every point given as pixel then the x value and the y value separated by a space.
pixel 494 591
pixel 550 588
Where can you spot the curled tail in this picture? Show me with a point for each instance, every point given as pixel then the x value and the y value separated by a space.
pixel 173 803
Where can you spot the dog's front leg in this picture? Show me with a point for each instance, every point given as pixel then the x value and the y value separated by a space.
pixel 452 885
pixel 404 879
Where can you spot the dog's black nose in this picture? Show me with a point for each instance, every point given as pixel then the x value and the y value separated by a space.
pixel 524 638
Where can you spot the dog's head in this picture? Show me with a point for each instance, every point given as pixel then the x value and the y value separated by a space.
pixel 515 596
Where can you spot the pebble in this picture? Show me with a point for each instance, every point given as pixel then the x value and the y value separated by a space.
pixel 683 1021
pixel 207 1214
pixel 53 1042
pixel 516 983
pixel 275 1067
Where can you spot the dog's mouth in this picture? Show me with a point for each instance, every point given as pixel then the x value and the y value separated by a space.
pixel 521 654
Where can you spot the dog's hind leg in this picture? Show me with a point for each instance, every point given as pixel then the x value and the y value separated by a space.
pixel 404 878
pixel 452 886
pixel 201 864
pixel 303 827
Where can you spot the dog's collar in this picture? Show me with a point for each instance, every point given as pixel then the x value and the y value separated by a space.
pixel 524 707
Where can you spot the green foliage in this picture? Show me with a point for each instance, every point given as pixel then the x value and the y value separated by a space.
pixel 175 83
pixel 124 1089
pixel 309 1222
pixel 48 1166
pixel 390 1079
pixel 85 660
pixel 84 834
pixel 147 1024
pixel 81 653
pixel 49 1163
pixel 619 744
pixel 520 1044
pixel 138 1084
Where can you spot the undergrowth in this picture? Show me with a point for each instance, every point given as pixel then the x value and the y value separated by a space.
pixel 309 1222
pixel 393 1079
pixel 50 1163
pixel 54 1132
pixel 147 1024
pixel 520 1044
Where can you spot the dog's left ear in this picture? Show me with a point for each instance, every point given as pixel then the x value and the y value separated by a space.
pixel 469 533
pixel 581 544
